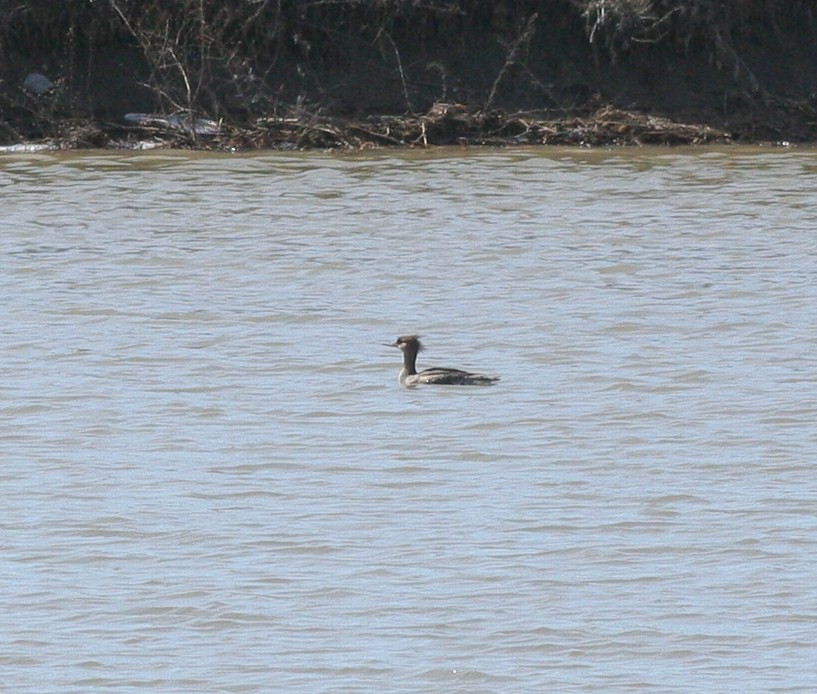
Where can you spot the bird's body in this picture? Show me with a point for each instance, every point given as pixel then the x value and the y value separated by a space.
pixel 409 377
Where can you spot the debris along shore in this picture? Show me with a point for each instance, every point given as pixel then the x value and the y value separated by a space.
pixel 444 124
pixel 397 73
pixel 455 124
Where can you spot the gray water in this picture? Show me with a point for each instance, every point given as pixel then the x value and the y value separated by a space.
pixel 212 482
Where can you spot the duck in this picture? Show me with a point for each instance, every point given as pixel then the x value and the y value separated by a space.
pixel 409 377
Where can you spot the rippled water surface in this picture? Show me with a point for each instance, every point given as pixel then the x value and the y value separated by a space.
pixel 211 480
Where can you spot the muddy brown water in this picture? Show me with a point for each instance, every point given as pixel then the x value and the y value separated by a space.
pixel 211 480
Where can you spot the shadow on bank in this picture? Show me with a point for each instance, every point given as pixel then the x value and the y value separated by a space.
pixel 296 74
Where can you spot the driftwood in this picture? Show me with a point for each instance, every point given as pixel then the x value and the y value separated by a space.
pixel 454 124
pixel 443 124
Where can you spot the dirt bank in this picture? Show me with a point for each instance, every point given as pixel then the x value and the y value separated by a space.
pixel 299 73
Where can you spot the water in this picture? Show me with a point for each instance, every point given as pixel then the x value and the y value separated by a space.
pixel 212 481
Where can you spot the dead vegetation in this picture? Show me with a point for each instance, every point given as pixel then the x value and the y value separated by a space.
pixel 454 124
pixel 309 73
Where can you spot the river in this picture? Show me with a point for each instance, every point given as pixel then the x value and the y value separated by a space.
pixel 213 482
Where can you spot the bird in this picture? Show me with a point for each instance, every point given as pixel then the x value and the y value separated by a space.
pixel 410 345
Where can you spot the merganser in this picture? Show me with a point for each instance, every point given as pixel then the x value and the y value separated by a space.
pixel 410 345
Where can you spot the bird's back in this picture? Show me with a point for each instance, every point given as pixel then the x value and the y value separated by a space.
pixel 453 377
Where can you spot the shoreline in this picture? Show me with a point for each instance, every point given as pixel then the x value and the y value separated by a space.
pixel 443 125
pixel 240 76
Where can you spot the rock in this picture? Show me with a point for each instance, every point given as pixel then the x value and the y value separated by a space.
pixel 37 83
